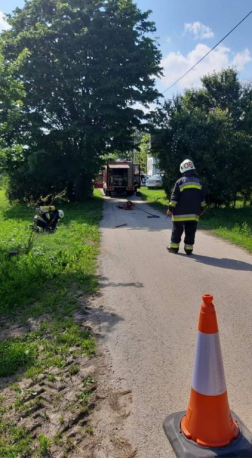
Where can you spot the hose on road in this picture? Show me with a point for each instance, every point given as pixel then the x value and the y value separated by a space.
pixel 151 214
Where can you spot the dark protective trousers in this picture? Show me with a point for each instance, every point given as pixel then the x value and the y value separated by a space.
pixel 190 228
pixel 40 223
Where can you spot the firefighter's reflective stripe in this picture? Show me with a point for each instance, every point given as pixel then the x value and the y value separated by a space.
pixel 188 247
pixel 47 208
pixel 190 186
pixel 173 203
pixel 39 217
pixel 185 218
pixel 174 245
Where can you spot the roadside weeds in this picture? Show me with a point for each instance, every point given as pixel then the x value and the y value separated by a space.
pixel 55 391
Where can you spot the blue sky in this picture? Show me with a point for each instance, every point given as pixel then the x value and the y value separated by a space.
pixel 186 30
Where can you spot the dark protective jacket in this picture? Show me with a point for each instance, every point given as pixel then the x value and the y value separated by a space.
pixel 188 198
pixel 47 219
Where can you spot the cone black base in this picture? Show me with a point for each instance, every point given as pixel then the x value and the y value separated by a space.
pixel 184 448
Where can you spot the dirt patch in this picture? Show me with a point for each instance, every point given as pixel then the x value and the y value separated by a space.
pixel 9 330
pixel 79 414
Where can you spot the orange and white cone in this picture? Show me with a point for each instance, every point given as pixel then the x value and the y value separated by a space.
pixel 208 421
pixel 207 429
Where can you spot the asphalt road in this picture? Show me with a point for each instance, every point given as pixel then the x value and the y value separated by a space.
pixel 155 299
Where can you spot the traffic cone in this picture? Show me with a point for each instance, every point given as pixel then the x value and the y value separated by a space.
pixel 208 429
pixel 208 421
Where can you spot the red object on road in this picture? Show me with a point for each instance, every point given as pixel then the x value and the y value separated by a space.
pixel 128 206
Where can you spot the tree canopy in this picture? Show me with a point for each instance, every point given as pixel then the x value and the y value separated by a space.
pixel 80 67
pixel 213 127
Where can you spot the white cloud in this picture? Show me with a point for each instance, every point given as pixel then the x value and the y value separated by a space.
pixel 168 40
pixel 3 23
pixel 198 30
pixel 176 64
pixel 241 59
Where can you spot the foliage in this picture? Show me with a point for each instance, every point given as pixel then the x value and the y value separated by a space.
pixel 13 355
pixel 44 445
pixel 141 157
pixel 232 224
pixel 137 152
pixel 212 126
pixel 14 441
pixel 11 93
pixel 82 66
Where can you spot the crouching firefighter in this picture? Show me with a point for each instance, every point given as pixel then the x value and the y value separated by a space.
pixel 47 218
pixel 186 205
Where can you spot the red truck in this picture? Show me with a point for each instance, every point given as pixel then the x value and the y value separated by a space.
pixel 121 177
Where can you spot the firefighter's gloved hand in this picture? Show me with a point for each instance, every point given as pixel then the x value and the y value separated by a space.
pixel 169 213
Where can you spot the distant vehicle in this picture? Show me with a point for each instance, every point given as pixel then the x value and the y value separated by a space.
pixel 144 178
pixel 156 181
pixel 121 177
pixel 98 181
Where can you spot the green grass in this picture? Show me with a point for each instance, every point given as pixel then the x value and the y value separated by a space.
pixel 75 369
pixel 233 224
pixel 90 430
pixel 14 441
pixel 56 260
pixel 15 354
pixel 157 198
pixel 44 445
pixel 43 283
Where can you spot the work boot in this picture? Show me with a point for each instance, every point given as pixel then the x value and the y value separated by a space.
pixel 172 250
pixel 188 249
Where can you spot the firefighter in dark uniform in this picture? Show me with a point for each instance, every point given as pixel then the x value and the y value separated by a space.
pixel 47 218
pixel 186 205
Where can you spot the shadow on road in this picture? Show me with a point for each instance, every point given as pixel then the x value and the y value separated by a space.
pixel 92 311
pixel 223 263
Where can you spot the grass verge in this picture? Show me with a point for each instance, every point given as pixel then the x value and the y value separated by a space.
pixel 156 197
pixel 233 224
pixel 39 291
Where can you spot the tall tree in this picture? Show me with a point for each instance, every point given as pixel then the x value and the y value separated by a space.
pixel 11 94
pixel 212 126
pixel 89 62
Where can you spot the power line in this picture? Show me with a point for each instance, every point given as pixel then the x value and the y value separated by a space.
pixel 237 25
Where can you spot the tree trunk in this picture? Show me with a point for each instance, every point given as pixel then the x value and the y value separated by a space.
pixel 83 188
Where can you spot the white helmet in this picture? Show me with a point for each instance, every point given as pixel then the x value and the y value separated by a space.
pixel 61 214
pixel 186 165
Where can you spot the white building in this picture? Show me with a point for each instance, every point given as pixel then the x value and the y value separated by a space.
pixel 152 166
